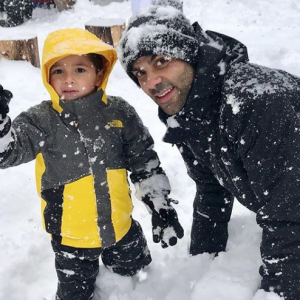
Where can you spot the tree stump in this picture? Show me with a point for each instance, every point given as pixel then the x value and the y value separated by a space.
pixel 64 4
pixel 108 30
pixel 23 49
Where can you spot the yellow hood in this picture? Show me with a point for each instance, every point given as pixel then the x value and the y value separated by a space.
pixel 74 41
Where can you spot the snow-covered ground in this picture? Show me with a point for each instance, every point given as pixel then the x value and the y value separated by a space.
pixel 270 29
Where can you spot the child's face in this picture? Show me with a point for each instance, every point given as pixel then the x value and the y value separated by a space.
pixel 74 77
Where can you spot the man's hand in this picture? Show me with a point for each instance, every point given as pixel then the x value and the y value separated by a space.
pixel 5 97
pixel 166 228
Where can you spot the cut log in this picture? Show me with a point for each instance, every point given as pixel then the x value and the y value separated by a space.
pixel 108 30
pixel 24 49
pixel 64 4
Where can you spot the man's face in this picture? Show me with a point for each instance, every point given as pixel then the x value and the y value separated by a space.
pixel 74 77
pixel 166 80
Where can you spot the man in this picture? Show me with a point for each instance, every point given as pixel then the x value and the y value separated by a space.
pixel 236 127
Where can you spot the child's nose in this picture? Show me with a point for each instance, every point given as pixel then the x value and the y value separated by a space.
pixel 69 78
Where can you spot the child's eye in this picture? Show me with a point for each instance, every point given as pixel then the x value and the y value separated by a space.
pixel 56 71
pixel 80 70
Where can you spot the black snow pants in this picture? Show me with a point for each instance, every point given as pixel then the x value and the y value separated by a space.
pixel 77 268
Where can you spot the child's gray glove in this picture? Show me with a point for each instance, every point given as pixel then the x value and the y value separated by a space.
pixel 165 224
pixel 5 97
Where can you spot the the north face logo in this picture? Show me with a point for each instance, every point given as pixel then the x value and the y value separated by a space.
pixel 115 123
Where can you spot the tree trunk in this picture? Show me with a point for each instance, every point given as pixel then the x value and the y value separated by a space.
pixel 26 49
pixel 108 30
pixel 64 4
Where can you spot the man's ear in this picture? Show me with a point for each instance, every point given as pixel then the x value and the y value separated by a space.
pixel 99 77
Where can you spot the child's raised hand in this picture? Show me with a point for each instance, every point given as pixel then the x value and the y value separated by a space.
pixel 5 97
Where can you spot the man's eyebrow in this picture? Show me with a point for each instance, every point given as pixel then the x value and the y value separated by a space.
pixel 135 69
pixel 152 58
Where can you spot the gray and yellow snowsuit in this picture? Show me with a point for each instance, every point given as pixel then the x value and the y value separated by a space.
pixel 83 150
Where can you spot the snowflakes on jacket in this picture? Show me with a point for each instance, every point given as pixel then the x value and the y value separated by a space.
pixel 239 137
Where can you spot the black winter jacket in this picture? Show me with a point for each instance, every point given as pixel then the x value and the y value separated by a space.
pixel 239 135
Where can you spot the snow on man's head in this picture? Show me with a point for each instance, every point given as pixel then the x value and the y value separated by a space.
pixel 158 29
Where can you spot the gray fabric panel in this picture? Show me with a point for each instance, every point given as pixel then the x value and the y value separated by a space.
pixel 92 122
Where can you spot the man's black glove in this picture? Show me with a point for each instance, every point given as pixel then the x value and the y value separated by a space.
pixel 5 97
pixel 165 224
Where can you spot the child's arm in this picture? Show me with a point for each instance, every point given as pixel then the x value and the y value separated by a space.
pixel 150 180
pixel 22 139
